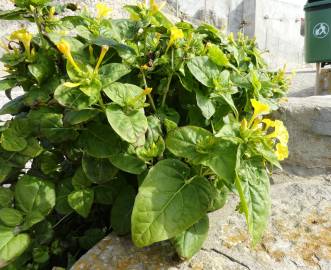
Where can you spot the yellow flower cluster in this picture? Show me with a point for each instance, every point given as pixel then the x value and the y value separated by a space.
pixel 279 132
pixel 64 47
pixel 102 10
pixel 23 36
pixel 154 7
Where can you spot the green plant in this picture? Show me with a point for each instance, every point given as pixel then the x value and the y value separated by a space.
pixel 132 125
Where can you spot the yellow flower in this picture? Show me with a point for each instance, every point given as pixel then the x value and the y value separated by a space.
pixel 154 7
pixel 103 52
pixel 268 123
pixel 102 10
pixel 260 108
pixel 24 36
pixel 64 47
pixel 51 12
pixel 175 34
pixel 147 91
pixel 281 151
pixel 281 132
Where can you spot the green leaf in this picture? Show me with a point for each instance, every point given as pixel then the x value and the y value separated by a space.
pixel 5 170
pixel 122 209
pixel 112 72
pixel 81 201
pixel 193 143
pixel 223 161
pixel 12 245
pixel 42 68
pixel 14 106
pixel 80 180
pixel 130 126
pixel 128 163
pixel 12 14
pixel 7 84
pixel 33 148
pixel 40 255
pixel 10 141
pixel 10 217
pixel 107 193
pixel 217 55
pixel 98 170
pixel 126 95
pixel 100 141
pixel 253 187
pixel 78 117
pixel 91 237
pixel 220 198
pixel 190 241
pixel 204 70
pixel 63 189
pixel 35 197
pixel 72 98
pixel 169 201
pixel 205 104
pixel 6 197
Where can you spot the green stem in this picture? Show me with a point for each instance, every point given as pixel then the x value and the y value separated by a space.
pixel 166 91
pixel 149 95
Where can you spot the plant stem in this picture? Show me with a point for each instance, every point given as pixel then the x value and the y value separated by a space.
pixel 166 91
pixel 149 95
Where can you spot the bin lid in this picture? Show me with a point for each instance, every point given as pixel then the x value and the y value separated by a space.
pixel 317 4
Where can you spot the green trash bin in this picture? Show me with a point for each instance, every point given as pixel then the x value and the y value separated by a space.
pixel 318 31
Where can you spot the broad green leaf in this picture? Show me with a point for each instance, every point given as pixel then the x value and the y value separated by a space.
pixel 12 245
pixel 43 232
pixel 80 180
pixel 81 201
pixel 49 162
pixel 205 104
pixel 12 14
pixel 126 95
pixel 6 84
pixel 193 143
pixel 42 68
pixel 122 209
pixel 6 197
pixel 40 254
pixel 90 238
pixel 35 197
pixel 253 187
pixel 128 163
pixel 217 55
pixel 5 169
pixel 14 106
pixel 77 117
pixel 130 126
pixel 98 170
pixel 169 201
pixel 92 90
pixel 72 98
pixel 100 140
pixel 223 161
pixel 112 72
pixel 204 70
pixel 219 199
pixel 10 217
pixel 107 193
pixel 33 148
pixel 10 141
pixel 63 189
pixel 190 241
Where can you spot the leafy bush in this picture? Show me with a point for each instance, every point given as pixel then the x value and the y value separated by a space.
pixel 134 126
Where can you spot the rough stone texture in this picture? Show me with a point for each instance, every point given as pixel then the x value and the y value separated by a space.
pixel 298 237
pixel 308 123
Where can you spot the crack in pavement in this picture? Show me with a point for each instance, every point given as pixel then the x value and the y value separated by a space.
pixel 229 257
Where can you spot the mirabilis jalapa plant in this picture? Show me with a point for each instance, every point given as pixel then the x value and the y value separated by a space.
pixel 137 126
